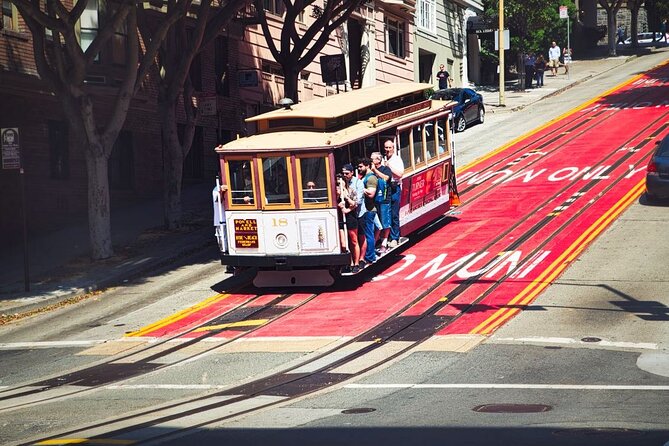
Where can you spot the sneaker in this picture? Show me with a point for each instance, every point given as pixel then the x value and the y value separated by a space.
pixel 362 264
pixel 392 244
pixel 355 269
pixel 346 269
pixel 382 250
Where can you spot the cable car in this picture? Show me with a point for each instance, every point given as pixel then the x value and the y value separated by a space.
pixel 280 198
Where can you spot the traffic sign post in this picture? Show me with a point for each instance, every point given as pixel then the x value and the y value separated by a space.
pixel 11 160
pixel 564 14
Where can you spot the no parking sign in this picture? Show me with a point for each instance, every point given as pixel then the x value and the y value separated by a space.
pixel 11 156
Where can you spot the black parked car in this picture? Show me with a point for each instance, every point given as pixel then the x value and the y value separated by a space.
pixel 657 172
pixel 470 107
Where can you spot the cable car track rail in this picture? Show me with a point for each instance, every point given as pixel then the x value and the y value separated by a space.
pixel 408 332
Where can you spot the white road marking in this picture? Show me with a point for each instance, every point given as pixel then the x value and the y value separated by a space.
pixel 47 344
pixel 571 341
pixel 166 386
pixel 508 386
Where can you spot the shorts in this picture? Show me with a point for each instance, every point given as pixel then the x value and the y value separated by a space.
pixel 554 63
pixel 351 221
pixel 383 211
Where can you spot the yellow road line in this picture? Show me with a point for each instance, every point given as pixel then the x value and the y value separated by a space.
pixel 177 316
pixel 563 261
pixel 545 283
pixel 549 123
pixel 98 441
pixel 249 323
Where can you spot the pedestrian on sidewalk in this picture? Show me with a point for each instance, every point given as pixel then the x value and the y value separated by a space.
pixel 621 35
pixel 566 58
pixel 444 78
pixel 554 58
pixel 539 68
pixel 663 30
pixel 529 69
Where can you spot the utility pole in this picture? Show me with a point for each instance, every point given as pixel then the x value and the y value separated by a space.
pixel 501 53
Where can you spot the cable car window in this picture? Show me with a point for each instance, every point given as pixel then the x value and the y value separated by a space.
pixel 314 180
pixel 275 180
pixel 405 150
pixel 441 137
pixel 430 140
pixel 241 181
pixel 418 152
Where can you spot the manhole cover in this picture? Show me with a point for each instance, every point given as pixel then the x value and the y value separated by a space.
pixel 358 410
pixel 590 339
pixel 512 408
pixel 598 432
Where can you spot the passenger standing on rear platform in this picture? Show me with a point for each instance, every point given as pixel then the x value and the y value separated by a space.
pixel 385 175
pixel 370 182
pixel 357 189
pixel 396 165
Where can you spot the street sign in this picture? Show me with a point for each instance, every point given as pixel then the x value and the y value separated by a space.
pixel 11 155
pixel 507 40
pixel 564 13
pixel 333 69
pixel 207 105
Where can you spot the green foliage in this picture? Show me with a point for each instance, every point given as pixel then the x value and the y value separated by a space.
pixel 533 24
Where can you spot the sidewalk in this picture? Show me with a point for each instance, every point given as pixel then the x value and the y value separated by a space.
pixel 580 70
pixel 60 269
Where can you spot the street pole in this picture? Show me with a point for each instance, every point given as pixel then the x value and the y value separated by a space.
pixel 501 53
pixel 568 47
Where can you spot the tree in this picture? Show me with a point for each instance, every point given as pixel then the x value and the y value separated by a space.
pixel 63 65
pixel 611 7
pixel 296 51
pixel 184 41
pixel 533 24
pixel 634 6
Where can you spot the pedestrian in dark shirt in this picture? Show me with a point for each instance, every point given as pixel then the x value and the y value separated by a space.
pixel 529 69
pixel 444 78
pixel 539 69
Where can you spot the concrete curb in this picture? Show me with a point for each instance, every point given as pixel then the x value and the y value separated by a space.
pixel 100 278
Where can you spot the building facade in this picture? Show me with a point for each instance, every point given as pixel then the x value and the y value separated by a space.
pixel 235 77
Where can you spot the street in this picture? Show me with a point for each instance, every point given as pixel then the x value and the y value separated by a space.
pixel 585 362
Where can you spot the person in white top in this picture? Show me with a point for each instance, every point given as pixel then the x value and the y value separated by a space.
pixel 396 165
pixel 554 58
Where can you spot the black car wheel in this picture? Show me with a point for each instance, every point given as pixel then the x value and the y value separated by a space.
pixel 460 124
pixel 481 115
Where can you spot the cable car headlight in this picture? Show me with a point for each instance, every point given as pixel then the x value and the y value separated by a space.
pixel 281 241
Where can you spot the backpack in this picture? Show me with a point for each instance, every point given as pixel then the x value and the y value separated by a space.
pixel 382 192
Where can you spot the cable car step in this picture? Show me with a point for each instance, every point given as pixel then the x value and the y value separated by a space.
pixel 298 277
pixel 388 250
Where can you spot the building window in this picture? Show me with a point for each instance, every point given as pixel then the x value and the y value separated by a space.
pixel 395 37
pixel 271 68
pixel 426 15
pixel 274 6
pixel 221 66
pixel 59 160
pixel 89 25
pixel 121 162
pixel 9 16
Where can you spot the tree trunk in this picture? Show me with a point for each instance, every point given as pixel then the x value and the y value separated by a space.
pixel 635 26
pixel 99 224
pixel 173 161
pixel 611 23
pixel 291 77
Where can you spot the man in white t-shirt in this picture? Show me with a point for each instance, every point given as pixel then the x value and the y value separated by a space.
pixel 396 165
pixel 554 58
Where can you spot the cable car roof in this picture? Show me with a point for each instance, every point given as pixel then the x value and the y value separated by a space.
pixel 338 105
pixel 299 140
